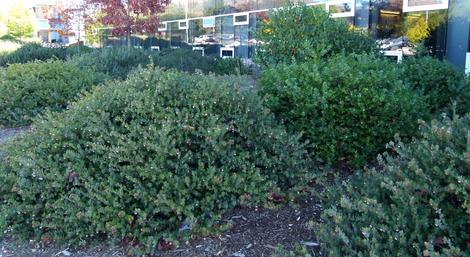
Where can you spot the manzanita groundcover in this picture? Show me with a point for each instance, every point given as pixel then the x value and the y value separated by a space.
pixel 139 159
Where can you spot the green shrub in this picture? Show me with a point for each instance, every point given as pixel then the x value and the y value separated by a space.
pixel 416 205
pixel 33 51
pixel 187 60
pixel 350 107
pixel 230 66
pixel 26 90
pixel 302 33
pixel 439 81
pixel 139 158
pixel 117 62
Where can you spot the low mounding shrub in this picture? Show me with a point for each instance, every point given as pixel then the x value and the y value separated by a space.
pixel 140 158
pixel 230 66
pixel 187 60
pixel 117 62
pixel 416 205
pixel 33 51
pixel 439 81
pixel 302 33
pixel 26 90
pixel 350 107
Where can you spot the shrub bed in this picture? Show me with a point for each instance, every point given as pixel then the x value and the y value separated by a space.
pixel 299 33
pixel 418 205
pixel 27 90
pixel 33 51
pixel 140 158
pixel 439 81
pixel 191 61
pixel 117 62
pixel 349 106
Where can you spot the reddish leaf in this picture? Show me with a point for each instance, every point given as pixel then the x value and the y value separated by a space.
pixel 46 240
pixel 438 242
pixel 71 176
pixel 276 198
pixel 129 241
pixel 137 16
pixel 164 245
pixel 422 192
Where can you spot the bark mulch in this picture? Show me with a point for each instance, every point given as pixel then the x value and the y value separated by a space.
pixel 255 232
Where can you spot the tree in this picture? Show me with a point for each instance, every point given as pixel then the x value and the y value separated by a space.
pixel 417 29
pixel 20 21
pixel 127 17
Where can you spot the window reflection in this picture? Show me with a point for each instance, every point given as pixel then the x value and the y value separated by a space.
pixel 215 24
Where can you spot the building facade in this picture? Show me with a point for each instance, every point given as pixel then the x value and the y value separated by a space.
pixel 51 27
pixel 225 27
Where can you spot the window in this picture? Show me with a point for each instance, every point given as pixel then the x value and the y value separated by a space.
pixel 396 55
pixel 240 19
pixel 162 26
pixel 183 24
pixel 467 64
pixel 208 22
pixel 227 52
pixel 424 5
pixel 199 49
pixel 343 8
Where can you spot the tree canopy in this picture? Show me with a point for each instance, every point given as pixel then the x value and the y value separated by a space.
pixel 127 17
pixel 18 21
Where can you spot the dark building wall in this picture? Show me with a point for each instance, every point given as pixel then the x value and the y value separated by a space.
pixel 458 32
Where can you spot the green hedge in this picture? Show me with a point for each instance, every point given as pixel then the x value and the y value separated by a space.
pixel 439 81
pixel 27 90
pixel 299 33
pixel 416 205
pixel 191 61
pixel 349 106
pixel 140 158
pixel 117 62
pixel 33 51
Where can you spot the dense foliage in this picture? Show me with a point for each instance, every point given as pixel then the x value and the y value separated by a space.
pixel 302 33
pixel 439 81
pixel 33 51
pixel 140 158
pixel 191 61
pixel 117 62
pixel 349 106
pixel 26 90
pixel 416 205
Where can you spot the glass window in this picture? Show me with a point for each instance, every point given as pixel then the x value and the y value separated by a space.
pixel 424 5
pixel 174 11
pixel 224 32
pixel 176 36
pixel 399 30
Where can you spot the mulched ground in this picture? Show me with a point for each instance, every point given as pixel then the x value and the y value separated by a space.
pixel 256 232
